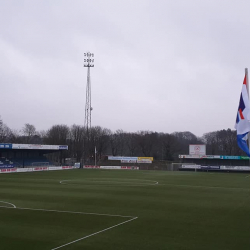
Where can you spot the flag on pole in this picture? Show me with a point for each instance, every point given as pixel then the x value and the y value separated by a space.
pixel 242 124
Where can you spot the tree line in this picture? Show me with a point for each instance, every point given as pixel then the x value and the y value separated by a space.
pixel 82 143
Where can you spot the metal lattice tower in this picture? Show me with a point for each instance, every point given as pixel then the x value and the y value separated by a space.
pixel 88 62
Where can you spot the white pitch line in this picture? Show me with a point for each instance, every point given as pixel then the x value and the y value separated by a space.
pixel 115 182
pixel 106 229
pixel 69 212
pixel 106 182
pixel 72 212
pixel 8 204
pixel 61 182
pixel 247 176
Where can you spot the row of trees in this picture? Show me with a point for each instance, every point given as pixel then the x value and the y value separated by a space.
pixel 161 146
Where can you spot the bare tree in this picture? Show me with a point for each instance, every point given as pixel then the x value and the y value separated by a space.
pixel 28 132
pixel 184 139
pixel 211 141
pixel 58 135
pixel 113 140
pixel 132 143
pixel 146 141
pixel 76 148
pixel 102 140
pixel 6 134
pixel 170 147
pixel 120 136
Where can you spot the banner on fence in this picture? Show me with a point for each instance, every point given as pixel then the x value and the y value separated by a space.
pixel 36 169
pixel 191 166
pixel 128 159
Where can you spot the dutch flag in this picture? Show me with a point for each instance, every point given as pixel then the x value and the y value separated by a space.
pixel 242 124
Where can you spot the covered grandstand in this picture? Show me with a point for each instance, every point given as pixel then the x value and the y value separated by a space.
pixel 28 155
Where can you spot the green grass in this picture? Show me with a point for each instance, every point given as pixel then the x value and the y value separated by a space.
pixel 175 210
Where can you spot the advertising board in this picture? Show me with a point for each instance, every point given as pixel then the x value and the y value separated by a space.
pixel 191 166
pixel 236 168
pixel 230 157
pixel 90 166
pixel 41 169
pixel 222 157
pixel 244 157
pixel 23 170
pixel 39 146
pixel 144 161
pixel 119 167
pixel 119 158
pixel 128 161
pixel 210 167
pixel 207 157
pixel 110 167
pixel 8 170
pixel 191 156
pixel 197 149
pixel 67 167
pixel 130 167
pixel 55 168
pixel 145 158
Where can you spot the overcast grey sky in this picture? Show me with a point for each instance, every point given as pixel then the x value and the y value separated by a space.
pixel 165 66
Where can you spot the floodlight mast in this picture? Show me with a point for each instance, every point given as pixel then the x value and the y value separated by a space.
pixel 88 62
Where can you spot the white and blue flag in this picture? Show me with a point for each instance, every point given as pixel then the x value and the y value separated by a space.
pixel 242 124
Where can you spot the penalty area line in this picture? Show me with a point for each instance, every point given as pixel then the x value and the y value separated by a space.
pixel 112 182
pixel 69 212
pixel 85 237
pixel 72 212
pixel 13 206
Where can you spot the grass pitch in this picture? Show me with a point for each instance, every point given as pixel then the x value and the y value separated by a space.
pixel 122 209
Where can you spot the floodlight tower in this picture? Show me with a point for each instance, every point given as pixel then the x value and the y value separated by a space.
pixel 88 62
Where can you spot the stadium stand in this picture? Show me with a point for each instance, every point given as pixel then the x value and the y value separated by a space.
pixel 27 155
pixel 5 163
pixel 30 162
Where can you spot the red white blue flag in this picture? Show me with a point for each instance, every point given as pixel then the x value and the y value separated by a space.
pixel 242 124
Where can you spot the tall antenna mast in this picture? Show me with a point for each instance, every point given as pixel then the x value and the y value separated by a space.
pixel 88 62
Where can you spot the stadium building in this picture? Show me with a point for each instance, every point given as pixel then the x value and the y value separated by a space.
pixel 28 155
pixel 198 160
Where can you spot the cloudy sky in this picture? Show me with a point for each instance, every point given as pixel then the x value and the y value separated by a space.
pixel 160 65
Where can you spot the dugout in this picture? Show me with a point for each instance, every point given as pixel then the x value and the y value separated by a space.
pixel 29 155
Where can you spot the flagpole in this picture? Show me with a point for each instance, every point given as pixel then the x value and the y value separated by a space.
pixel 246 74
